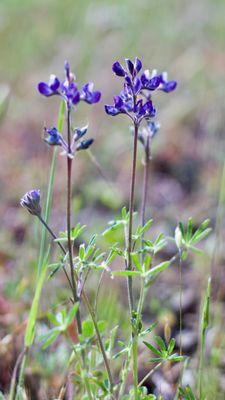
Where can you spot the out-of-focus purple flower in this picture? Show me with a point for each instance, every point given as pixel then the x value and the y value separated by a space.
pixel 153 127
pixel 68 89
pixel 53 137
pixel 146 134
pixel 89 95
pixel 135 99
pixel 118 69
pixel 31 201
pixel 150 81
pixel 84 144
pixel 165 85
pixel 79 132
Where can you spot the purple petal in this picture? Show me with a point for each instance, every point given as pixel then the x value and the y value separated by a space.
pixel 118 69
pixel 130 66
pixel 169 86
pixel 76 98
pixel 85 144
pixel 67 70
pixel 149 109
pixel 137 85
pixel 118 102
pixel 45 89
pixel 111 110
pixel 144 78
pixel 151 84
pixel 96 96
pixel 54 83
pixel 128 80
pixel 137 65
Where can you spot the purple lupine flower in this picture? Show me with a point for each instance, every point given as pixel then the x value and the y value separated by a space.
pixel 89 95
pixel 50 88
pixel 135 98
pixel 150 81
pixel 84 144
pixel 165 85
pixel 68 89
pixel 79 132
pixel 31 201
pixel 153 127
pixel 54 138
pixel 146 134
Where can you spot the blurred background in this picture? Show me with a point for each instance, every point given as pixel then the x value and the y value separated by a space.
pixel 185 38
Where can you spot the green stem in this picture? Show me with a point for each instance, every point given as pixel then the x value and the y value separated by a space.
pixel 106 362
pixel 50 189
pixel 145 182
pixel 14 375
pixel 180 302
pixel 200 384
pixel 91 312
pixel 70 247
pixel 131 210
pixel 22 369
pixel 135 365
pixel 129 263
pixel 59 244
pixel 141 298
pixel 125 372
pixel 150 373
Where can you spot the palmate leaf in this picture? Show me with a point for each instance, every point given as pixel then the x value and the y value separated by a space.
pixel 171 345
pixel 72 313
pixel 159 268
pixel 186 393
pixel 160 342
pixel 185 238
pixel 136 261
pixel 153 349
pixel 148 330
pixel 48 338
pixel 126 273
pixel 88 329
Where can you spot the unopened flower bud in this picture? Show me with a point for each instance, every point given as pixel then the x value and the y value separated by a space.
pixel 31 201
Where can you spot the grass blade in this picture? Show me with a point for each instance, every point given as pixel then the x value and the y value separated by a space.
pixel 50 190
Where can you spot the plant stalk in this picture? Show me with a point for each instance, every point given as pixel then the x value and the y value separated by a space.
pixel 70 247
pixel 131 210
pixel 150 373
pixel 134 337
pixel 90 310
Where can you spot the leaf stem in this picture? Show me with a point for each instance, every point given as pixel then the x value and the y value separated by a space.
pixel 150 373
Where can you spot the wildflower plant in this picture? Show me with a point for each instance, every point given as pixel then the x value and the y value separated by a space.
pixel 138 254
